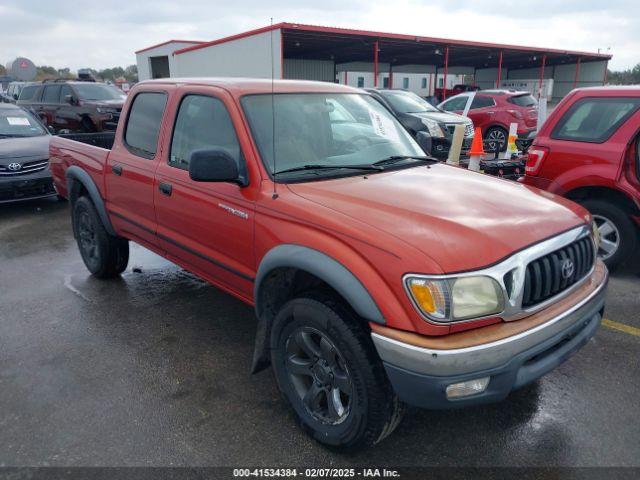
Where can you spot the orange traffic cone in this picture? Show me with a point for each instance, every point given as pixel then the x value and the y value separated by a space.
pixel 477 148
pixel 476 152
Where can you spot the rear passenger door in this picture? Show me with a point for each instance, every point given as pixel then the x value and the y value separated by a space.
pixel 482 111
pixel 132 163
pixel 205 226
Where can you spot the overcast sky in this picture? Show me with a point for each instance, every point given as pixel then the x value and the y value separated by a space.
pixel 106 33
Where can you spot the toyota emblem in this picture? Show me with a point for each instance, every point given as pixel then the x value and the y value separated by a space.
pixel 14 167
pixel 567 268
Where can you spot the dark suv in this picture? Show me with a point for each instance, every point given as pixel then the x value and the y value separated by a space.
pixel 72 106
pixel 417 115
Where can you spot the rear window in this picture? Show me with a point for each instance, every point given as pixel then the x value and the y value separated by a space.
pixel 143 125
pixel 594 119
pixel 28 92
pixel 523 100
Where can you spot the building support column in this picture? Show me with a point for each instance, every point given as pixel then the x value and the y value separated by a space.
pixel 499 76
pixel 544 62
pixel 390 76
pixel 346 78
pixel 446 70
pixel 375 63
pixel 606 68
pixel 577 76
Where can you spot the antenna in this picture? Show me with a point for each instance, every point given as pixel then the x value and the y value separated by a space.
pixel 273 118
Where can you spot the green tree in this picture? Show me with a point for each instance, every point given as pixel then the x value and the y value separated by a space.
pixel 630 76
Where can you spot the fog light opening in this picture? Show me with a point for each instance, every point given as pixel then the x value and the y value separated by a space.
pixel 468 388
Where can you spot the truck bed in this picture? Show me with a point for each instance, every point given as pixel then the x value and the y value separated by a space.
pixel 88 151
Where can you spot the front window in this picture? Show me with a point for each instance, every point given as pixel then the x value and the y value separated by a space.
pixel 338 132
pixel 98 91
pixel 19 123
pixel 408 102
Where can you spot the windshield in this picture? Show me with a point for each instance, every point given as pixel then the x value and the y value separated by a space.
pixel 408 102
pixel 98 91
pixel 19 123
pixel 336 130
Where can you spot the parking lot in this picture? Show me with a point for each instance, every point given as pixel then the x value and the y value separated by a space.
pixel 153 370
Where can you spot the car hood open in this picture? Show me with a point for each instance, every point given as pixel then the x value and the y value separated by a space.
pixel 462 220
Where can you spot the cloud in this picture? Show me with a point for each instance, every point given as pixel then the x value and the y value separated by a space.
pixel 103 34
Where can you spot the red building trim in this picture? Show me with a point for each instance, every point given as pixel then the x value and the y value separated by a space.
pixel 499 79
pixel 577 76
pixel 446 70
pixel 375 63
pixel 544 62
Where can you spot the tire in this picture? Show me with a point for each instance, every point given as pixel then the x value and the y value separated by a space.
pixel 615 228
pixel 104 255
pixel 496 134
pixel 319 343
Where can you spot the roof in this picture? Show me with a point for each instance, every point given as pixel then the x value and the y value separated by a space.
pixel 239 86
pixel 318 37
pixel 167 43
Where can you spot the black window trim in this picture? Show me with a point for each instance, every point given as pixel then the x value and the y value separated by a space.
pixel 242 158
pixel 137 151
pixel 493 101
pixel 554 133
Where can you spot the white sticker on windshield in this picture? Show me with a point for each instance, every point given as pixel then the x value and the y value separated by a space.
pixel 384 126
pixel 18 121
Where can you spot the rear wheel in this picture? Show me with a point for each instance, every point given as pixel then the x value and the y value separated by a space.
pixel 618 235
pixel 104 255
pixel 329 372
pixel 496 138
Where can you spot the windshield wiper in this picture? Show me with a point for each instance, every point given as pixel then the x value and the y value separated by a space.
pixel 399 158
pixel 332 167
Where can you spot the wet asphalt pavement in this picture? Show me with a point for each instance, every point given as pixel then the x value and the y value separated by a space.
pixel 153 369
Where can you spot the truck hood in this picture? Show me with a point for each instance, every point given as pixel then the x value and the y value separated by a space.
pixel 117 104
pixel 460 219
pixel 20 147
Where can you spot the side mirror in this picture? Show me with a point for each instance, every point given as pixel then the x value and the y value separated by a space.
pixel 213 165
pixel 425 141
pixel 15 96
pixel 52 130
pixel 69 99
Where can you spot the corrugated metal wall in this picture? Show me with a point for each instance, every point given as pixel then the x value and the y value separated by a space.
pixel 300 69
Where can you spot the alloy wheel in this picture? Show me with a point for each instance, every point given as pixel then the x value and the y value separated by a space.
pixel 496 140
pixel 319 375
pixel 609 237
pixel 87 236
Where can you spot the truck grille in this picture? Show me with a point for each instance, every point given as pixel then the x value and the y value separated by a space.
pixel 26 168
pixel 547 276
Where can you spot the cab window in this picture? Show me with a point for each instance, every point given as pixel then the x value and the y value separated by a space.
pixel 143 123
pixel 203 122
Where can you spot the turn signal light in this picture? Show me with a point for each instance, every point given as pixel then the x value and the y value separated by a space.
pixel 536 156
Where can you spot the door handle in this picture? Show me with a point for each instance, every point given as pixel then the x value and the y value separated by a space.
pixel 117 169
pixel 165 188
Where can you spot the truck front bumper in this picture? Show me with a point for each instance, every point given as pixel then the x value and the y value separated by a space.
pixel 420 376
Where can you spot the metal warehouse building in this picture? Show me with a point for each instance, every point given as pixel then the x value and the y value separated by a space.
pixel 371 59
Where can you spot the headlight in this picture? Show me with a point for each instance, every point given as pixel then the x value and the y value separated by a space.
pixel 106 110
pixel 595 233
pixel 453 299
pixel 434 127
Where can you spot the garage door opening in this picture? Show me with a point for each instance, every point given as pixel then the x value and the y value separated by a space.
pixel 160 67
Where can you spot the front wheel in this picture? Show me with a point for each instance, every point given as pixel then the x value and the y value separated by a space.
pixel 330 374
pixel 104 255
pixel 618 235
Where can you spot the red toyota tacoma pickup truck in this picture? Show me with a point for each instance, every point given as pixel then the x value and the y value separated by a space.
pixel 380 277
